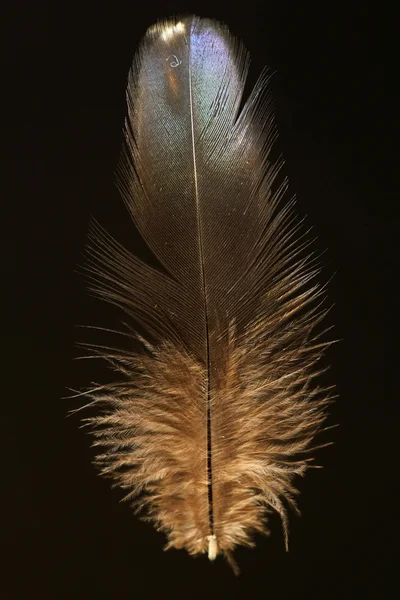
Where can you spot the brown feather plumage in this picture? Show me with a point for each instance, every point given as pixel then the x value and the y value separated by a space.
pixel 211 424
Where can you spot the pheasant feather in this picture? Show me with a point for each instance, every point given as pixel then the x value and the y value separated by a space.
pixel 211 423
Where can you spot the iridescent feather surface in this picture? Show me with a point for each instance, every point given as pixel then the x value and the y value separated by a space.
pixel 207 428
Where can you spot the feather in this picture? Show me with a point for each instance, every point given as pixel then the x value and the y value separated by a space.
pixel 214 419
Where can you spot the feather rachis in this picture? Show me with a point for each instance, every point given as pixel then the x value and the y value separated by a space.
pixel 215 420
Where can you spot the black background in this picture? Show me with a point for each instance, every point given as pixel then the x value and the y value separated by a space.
pixel 64 73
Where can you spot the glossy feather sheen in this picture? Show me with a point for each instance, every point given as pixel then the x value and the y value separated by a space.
pixel 211 423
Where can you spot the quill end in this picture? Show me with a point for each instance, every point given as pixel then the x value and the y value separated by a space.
pixel 212 547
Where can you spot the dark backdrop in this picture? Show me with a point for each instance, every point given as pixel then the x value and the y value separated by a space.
pixel 64 73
